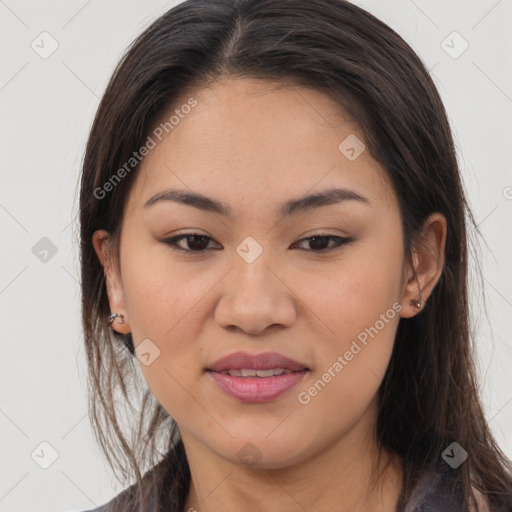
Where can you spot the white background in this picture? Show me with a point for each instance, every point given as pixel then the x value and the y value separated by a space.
pixel 47 106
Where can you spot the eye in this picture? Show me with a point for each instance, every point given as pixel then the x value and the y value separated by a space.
pixel 320 242
pixel 196 242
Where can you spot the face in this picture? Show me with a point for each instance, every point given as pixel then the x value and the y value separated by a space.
pixel 320 283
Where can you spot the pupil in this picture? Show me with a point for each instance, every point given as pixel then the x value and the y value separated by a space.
pixel 196 237
pixel 315 244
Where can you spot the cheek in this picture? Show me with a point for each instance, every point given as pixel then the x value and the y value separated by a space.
pixel 350 294
pixel 358 303
pixel 159 294
pixel 165 305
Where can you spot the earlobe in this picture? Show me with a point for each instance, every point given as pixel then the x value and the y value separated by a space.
pixel 428 262
pixel 118 318
pixel 413 297
pixel 417 303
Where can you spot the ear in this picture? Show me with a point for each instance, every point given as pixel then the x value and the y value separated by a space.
pixel 428 260
pixel 102 245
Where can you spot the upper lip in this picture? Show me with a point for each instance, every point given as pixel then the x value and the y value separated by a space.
pixel 263 361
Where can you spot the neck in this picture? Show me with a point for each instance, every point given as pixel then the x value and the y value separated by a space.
pixel 347 476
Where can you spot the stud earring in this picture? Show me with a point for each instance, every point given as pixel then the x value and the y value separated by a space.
pixel 413 302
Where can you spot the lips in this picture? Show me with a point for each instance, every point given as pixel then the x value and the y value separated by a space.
pixel 265 361
pixel 256 378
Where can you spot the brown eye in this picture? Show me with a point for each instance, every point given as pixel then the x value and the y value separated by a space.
pixel 198 243
pixel 194 242
pixel 320 243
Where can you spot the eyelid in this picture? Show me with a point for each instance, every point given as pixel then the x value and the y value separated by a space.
pixel 341 241
pixel 172 241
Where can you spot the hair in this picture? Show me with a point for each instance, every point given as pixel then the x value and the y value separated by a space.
pixel 429 396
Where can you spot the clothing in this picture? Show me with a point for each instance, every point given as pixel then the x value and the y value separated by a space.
pixel 431 494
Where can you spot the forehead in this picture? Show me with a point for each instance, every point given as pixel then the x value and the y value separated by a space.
pixel 256 143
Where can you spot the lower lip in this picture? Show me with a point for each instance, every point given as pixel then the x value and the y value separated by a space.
pixel 257 389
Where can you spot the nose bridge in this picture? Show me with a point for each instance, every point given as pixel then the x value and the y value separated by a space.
pixel 252 275
pixel 254 297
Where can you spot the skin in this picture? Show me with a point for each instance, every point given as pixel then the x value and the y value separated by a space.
pixel 254 146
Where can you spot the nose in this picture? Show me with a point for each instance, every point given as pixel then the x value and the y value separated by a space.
pixel 255 297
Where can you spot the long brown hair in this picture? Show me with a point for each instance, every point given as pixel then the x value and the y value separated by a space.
pixel 429 396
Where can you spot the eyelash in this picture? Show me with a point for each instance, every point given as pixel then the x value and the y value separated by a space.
pixel 172 242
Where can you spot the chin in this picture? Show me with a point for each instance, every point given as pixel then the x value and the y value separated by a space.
pixel 259 451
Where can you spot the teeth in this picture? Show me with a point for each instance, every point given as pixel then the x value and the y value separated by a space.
pixel 265 373
pixel 249 372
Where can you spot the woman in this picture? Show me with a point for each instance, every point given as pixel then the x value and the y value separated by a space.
pixel 273 230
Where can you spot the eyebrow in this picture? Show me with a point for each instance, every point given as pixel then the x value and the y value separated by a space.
pixel 290 207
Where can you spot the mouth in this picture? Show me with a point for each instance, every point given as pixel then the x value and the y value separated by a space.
pixel 247 361
pixel 251 372
pixel 256 378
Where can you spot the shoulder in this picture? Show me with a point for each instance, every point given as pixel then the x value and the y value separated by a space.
pixel 103 508
pixel 125 501
pixel 141 496
pixel 434 492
